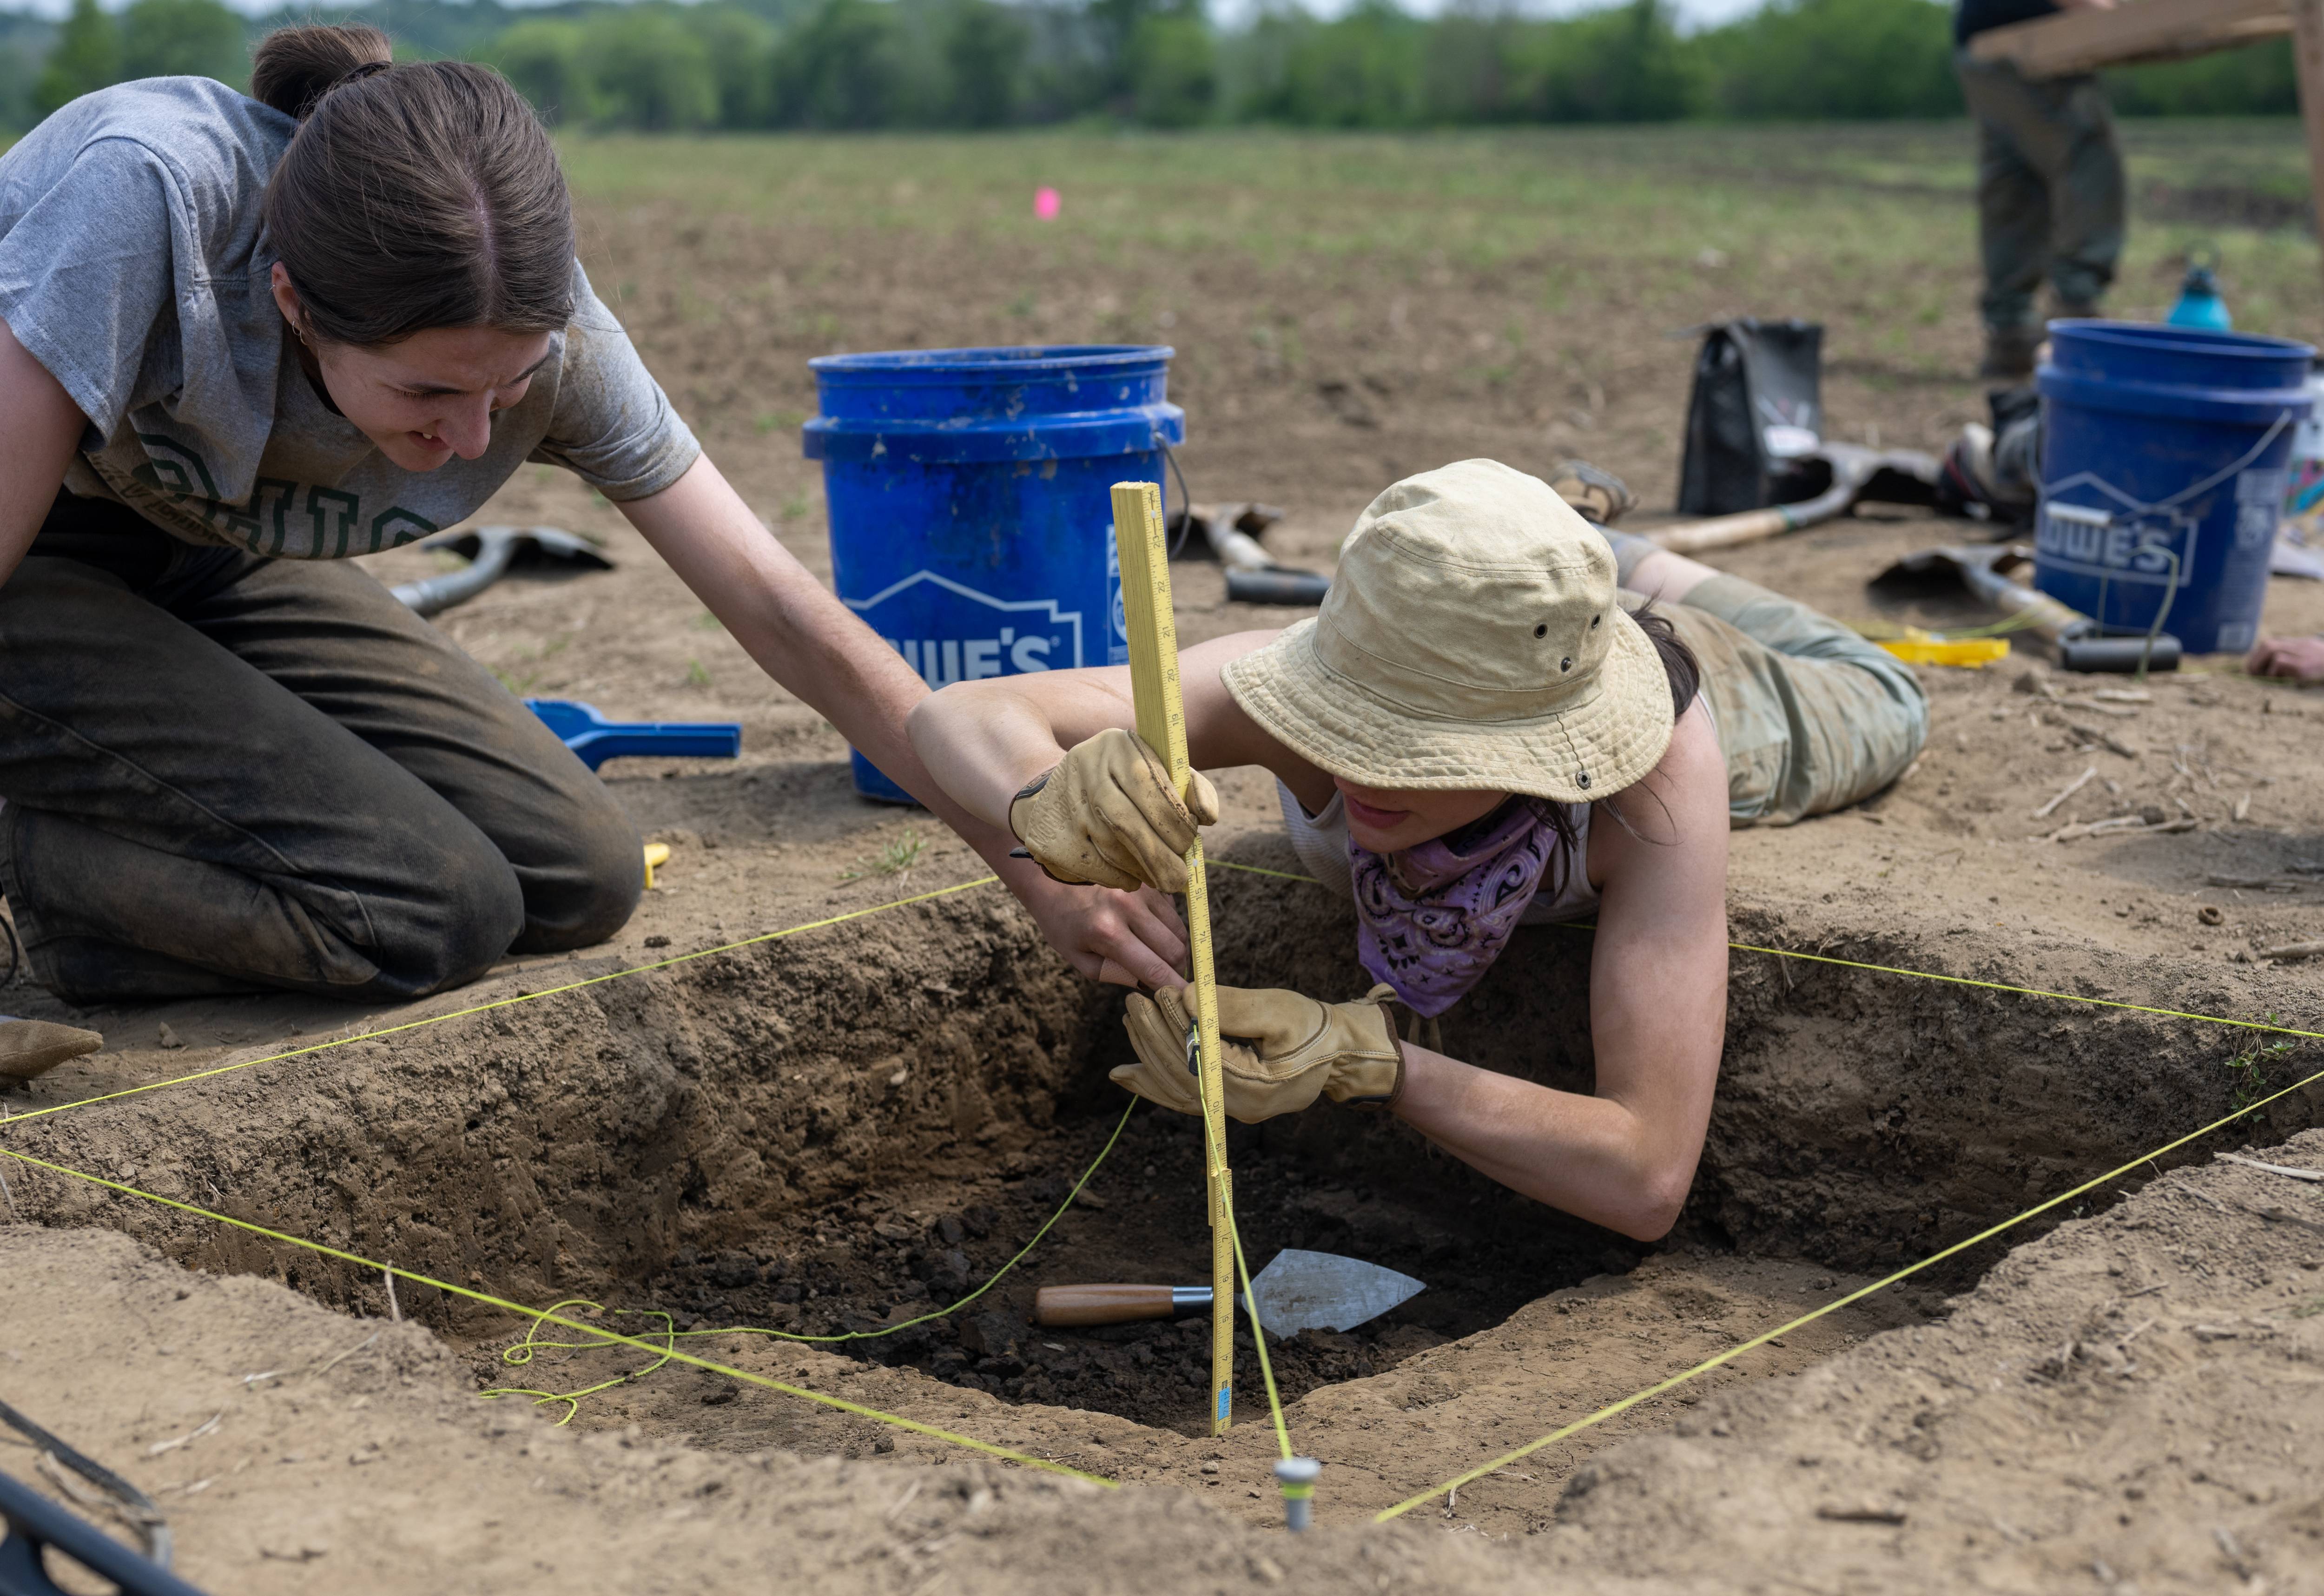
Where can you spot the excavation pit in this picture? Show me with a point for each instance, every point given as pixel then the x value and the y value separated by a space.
pixel 839 1131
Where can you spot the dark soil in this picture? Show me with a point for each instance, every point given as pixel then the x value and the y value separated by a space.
pixel 859 1265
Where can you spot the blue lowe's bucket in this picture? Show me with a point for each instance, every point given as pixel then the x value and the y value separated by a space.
pixel 971 519
pixel 2163 468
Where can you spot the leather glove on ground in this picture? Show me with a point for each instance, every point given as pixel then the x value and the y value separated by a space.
pixel 1106 816
pixel 1286 1051
pixel 29 1047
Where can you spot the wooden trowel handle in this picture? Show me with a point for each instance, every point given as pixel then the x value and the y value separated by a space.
pixel 1102 1304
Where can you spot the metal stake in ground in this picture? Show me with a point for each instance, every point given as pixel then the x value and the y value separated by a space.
pixel 1144 550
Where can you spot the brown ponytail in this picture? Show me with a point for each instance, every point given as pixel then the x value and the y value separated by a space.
pixel 295 66
pixel 411 197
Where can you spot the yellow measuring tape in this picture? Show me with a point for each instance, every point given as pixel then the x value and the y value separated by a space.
pixel 1143 548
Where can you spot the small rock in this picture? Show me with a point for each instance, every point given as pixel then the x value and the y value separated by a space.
pixel 950 1231
pixel 1865 1512
pixel 734 1270
pixel 657 940
pixel 1210 1468
pixel 1086 1198
pixel 295 1551
pixel 169 1038
pixel 989 1335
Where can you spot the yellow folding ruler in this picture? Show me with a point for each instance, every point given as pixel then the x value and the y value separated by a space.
pixel 1139 537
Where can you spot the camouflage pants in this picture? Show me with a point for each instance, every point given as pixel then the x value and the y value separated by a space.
pixel 1811 717
pixel 2050 192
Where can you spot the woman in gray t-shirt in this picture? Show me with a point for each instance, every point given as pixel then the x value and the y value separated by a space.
pixel 245 338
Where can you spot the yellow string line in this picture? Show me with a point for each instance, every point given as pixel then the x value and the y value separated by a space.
pixel 943 1313
pixel 409 1025
pixel 552 1317
pixel 520 1354
pixel 1258 1335
pixel 1249 1298
pixel 1708 1364
pixel 1817 958
pixel 2029 992
pixel 1280 875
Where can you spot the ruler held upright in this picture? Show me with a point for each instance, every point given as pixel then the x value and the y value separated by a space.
pixel 1141 543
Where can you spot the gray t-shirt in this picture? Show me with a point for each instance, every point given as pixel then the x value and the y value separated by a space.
pixel 133 265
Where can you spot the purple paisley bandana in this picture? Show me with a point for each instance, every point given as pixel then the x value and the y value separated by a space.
pixel 1433 919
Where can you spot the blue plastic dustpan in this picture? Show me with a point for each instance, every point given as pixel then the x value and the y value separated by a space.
pixel 596 739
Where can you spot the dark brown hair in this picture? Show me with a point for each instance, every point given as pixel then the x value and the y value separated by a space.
pixel 411 197
pixel 1679 664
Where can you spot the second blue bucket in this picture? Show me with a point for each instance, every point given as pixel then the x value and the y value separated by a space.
pixel 971 519
pixel 2163 451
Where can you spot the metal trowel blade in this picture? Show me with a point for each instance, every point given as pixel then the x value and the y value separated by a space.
pixel 1302 1290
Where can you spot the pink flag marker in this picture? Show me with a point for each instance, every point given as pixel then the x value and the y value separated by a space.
pixel 1046 204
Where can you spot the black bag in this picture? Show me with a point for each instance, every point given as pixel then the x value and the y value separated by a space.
pixel 1757 407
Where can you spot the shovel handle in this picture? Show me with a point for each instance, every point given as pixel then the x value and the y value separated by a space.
pixel 1108 1304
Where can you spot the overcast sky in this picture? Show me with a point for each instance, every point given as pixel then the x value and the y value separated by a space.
pixel 1692 13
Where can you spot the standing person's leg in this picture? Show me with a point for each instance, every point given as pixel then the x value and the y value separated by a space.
pixel 2088 196
pixel 2013 213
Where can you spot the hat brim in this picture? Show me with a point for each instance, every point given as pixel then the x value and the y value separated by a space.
pixel 1593 749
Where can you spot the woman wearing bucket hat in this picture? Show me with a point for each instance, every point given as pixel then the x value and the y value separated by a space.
pixel 1473 697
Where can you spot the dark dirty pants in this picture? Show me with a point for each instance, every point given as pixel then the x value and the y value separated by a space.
pixel 224 773
pixel 2050 191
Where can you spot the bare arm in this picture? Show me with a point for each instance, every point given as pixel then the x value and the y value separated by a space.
pixel 1625 1158
pixel 39 427
pixel 985 739
pixel 811 643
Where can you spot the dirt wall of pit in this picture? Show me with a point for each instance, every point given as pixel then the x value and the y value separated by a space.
pixel 558 1144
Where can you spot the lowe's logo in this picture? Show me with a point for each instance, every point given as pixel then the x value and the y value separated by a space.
pixel 2136 544
pixel 950 633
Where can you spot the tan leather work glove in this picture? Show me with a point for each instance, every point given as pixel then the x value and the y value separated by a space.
pixel 1347 1052
pixel 30 1047
pixel 1106 816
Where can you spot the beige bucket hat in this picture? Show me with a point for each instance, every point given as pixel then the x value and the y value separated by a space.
pixel 1471 641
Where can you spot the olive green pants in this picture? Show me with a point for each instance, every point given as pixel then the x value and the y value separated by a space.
pixel 1809 715
pixel 2049 191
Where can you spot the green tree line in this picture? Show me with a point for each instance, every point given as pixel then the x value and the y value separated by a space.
pixel 848 64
